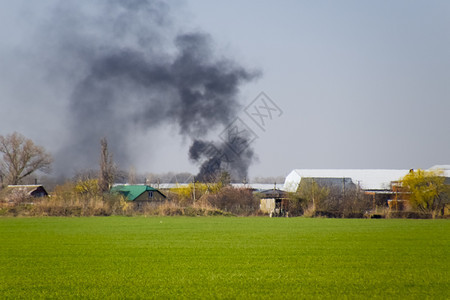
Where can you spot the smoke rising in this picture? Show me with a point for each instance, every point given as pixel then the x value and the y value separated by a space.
pixel 133 72
pixel 219 157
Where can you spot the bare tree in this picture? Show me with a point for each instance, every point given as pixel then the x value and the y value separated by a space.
pixel 132 175
pixel 21 158
pixel 107 167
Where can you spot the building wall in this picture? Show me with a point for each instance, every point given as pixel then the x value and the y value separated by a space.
pixel 151 196
pixel 267 205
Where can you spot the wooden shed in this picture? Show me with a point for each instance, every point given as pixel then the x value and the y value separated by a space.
pixel 274 202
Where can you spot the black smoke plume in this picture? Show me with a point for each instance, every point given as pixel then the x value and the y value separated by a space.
pixel 134 72
pixel 216 158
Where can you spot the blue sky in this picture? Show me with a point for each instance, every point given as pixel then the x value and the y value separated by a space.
pixel 362 84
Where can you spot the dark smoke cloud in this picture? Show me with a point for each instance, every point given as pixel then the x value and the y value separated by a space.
pixel 219 157
pixel 133 73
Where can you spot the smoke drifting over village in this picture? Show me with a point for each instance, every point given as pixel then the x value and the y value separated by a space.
pixel 133 70
pixel 360 85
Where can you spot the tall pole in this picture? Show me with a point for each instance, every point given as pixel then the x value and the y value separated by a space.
pixel 343 190
pixel 194 189
pixel 314 196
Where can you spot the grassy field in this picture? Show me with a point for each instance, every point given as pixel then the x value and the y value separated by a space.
pixel 220 257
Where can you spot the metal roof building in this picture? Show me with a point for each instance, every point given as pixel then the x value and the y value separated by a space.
pixel 371 179
pixel 367 179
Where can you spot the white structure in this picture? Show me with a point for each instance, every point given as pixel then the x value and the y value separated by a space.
pixel 367 179
pixel 371 179
pixel 259 186
pixel 445 168
pixel 254 186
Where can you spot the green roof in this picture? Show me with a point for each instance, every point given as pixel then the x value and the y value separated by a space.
pixel 132 191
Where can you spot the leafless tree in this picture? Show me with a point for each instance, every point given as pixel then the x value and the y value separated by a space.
pixel 21 158
pixel 107 167
pixel 132 176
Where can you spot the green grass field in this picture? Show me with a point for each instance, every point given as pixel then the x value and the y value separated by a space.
pixel 220 257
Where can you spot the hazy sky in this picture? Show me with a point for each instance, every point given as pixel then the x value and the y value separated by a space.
pixel 360 84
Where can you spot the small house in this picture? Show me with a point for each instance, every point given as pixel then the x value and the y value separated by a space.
pixel 21 193
pixel 139 193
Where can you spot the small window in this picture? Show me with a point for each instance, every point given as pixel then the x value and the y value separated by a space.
pixel 150 195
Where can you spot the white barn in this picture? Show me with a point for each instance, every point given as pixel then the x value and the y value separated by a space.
pixel 367 179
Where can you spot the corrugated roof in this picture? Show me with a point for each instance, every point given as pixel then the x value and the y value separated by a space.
pixel 26 188
pixel 132 191
pixel 255 186
pixel 273 193
pixel 258 186
pixel 368 179
pixel 31 190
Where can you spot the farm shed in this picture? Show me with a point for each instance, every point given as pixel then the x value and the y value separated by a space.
pixel 139 193
pixel 31 190
pixel 273 201
pixel 14 193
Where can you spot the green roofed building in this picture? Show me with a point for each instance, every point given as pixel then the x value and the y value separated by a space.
pixel 139 193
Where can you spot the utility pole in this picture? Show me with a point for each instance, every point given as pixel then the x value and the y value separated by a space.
pixel 343 188
pixel 313 185
pixel 194 189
